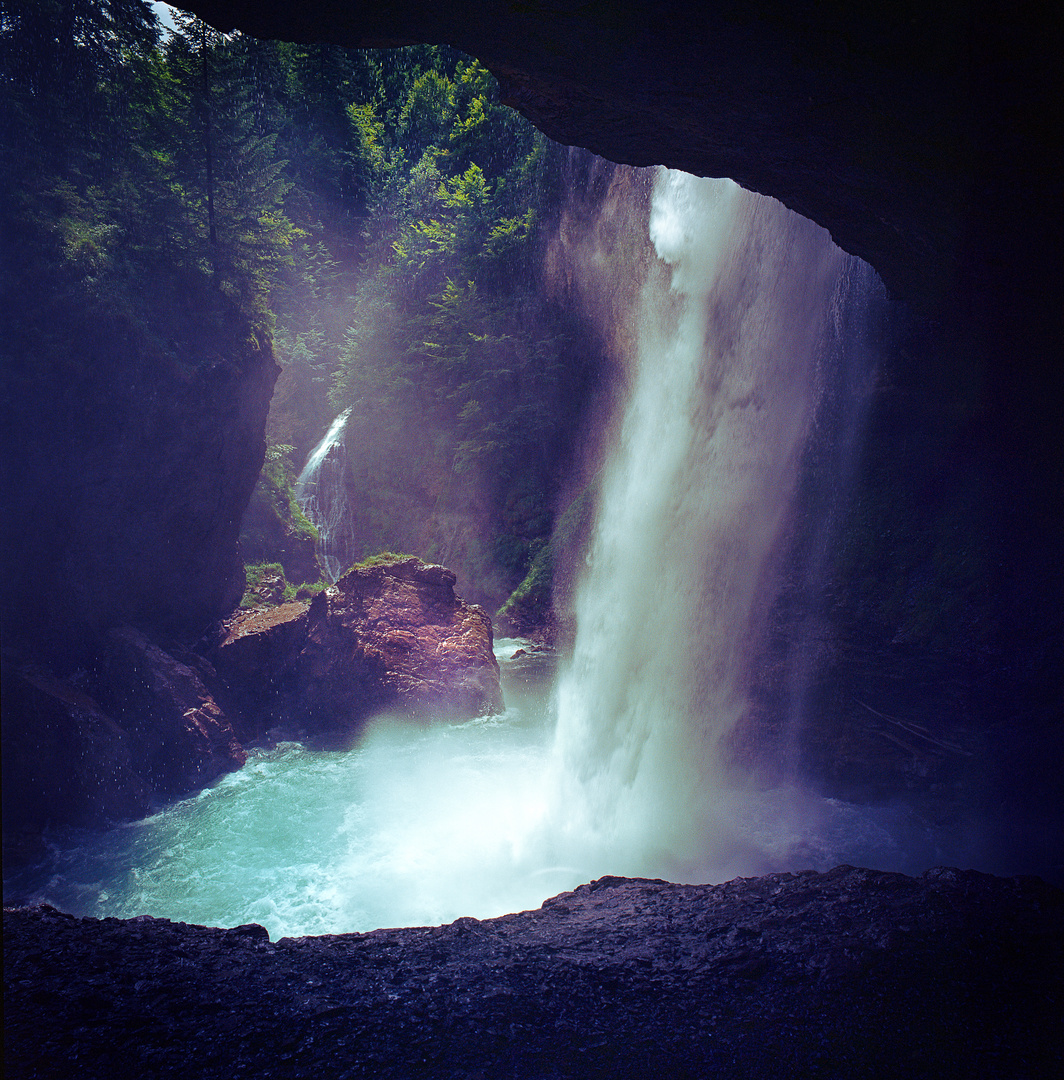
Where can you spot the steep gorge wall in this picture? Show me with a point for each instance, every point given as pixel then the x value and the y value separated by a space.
pixel 129 457
pixel 128 466
pixel 924 139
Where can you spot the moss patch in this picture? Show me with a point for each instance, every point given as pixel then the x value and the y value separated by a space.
pixel 267 586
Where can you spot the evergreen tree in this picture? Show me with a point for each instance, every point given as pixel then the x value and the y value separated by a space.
pixel 229 168
pixel 378 212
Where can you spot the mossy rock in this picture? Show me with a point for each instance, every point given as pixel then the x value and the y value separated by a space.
pixel 267 586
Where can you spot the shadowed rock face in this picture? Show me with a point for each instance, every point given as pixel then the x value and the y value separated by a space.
pixel 181 737
pixel 123 496
pixel 392 636
pixel 64 759
pixel 101 746
pixel 851 973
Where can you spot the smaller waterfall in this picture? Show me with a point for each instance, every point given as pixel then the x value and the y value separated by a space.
pixel 322 496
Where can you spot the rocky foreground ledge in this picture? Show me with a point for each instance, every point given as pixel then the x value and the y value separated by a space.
pixel 852 973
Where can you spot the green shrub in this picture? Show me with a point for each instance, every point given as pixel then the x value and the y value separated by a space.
pixel 265 584
pixel 383 558
pixel 532 597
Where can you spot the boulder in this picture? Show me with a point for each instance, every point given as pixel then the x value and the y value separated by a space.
pixel 388 637
pixel 258 659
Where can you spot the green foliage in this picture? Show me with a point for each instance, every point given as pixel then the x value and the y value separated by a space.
pixel 256 571
pixel 371 163
pixel 139 187
pixel 377 214
pixel 534 591
pixel 277 480
pixel 549 570
pixel 230 169
pixel 267 586
pixel 274 527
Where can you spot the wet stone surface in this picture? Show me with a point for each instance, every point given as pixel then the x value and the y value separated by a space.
pixel 852 973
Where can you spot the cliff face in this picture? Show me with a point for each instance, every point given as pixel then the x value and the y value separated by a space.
pixel 126 476
pixel 925 139
pixel 103 744
pixel 130 453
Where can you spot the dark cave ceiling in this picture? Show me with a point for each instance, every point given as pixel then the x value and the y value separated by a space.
pixel 924 137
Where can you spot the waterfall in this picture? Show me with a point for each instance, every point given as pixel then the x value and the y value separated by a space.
pixel 745 370
pixel 321 493
pixel 695 498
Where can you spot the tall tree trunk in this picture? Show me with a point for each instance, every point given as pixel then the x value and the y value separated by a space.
pixel 208 144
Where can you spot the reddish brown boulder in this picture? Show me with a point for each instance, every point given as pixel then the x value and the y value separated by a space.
pixel 388 637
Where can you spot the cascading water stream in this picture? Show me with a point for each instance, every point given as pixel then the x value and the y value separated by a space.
pixel 695 495
pixel 321 494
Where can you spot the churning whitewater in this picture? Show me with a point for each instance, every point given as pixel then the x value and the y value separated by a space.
pixel 618 769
